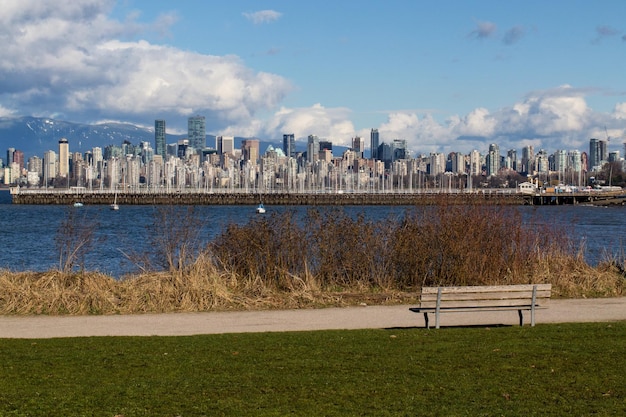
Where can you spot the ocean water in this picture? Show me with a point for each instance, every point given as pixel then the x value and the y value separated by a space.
pixel 28 232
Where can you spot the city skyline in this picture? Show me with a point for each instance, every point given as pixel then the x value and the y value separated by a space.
pixel 443 76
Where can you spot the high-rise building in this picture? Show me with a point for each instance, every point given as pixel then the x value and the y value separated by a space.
pixel 49 166
pixel 250 150
pixel 289 145
pixel 493 159
pixel 196 132
pixel 312 148
pixel 358 146
pixel 18 158
pixel 374 143
pixel 476 166
pixel 399 149
pixel 512 158
pixel 64 158
pixel 597 153
pixel 528 156
pixel 159 138
pixel 10 152
pixel 225 145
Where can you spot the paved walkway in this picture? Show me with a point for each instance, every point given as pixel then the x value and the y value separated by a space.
pixel 178 324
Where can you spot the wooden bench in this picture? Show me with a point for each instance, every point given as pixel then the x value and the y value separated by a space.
pixel 483 298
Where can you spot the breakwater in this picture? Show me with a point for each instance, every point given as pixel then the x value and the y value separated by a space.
pixel 206 197
pixel 56 197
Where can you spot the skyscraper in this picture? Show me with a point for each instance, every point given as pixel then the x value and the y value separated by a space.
pixel 225 144
pixel 312 148
pixel 289 145
pixel 196 132
pixel 597 153
pixel 374 142
pixel 64 158
pixel 358 145
pixel 250 150
pixel 159 138
pixel 493 160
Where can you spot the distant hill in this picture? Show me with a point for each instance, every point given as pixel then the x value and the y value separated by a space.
pixel 35 136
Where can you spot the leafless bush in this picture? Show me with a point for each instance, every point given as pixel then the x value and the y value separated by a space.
pixel 175 239
pixel 74 238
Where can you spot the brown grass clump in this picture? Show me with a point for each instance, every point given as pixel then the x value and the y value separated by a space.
pixel 56 292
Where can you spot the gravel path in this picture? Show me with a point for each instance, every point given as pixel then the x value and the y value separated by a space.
pixel 178 324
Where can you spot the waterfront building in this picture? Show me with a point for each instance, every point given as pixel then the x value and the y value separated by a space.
pixel 196 132
pixel 289 145
pixel 64 158
pixel 374 144
pixel 159 138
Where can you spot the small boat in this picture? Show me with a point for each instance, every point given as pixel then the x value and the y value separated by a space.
pixel 78 204
pixel 260 209
pixel 115 206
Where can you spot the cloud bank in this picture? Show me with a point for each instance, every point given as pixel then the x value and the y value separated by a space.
pixel 68 58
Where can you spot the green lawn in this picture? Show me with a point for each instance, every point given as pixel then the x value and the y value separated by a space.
pixel 551 369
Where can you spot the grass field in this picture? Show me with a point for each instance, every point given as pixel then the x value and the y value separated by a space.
pixel 548 370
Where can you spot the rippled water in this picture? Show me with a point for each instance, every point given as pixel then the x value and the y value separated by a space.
pixel 28 231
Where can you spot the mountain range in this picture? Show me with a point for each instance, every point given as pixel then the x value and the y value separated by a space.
pixel 34 136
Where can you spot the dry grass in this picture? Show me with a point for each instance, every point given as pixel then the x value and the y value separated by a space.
pixel 326 258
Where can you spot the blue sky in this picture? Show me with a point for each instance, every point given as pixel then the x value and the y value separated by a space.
pixel 444 75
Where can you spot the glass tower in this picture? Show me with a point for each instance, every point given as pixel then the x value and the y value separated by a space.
pixel 159 138
pixel 196 132
pixel 374 143
pixel 289 145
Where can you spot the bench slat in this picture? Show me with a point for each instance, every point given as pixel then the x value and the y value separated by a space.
pixel 480 303
pixel 527 295
pixel 487 288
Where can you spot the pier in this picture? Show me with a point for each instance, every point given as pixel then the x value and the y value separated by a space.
pixel 239 197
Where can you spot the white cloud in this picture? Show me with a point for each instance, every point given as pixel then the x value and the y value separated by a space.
pixel 263 16
pixel 620 111
pixel 67 57
pixel 329 123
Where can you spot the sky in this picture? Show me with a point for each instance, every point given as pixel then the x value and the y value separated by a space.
pixel 446 75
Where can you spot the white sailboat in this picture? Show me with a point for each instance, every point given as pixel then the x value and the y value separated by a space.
pixel 115 206
pixel 260 209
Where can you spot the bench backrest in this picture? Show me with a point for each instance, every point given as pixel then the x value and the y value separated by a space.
pixel 486 296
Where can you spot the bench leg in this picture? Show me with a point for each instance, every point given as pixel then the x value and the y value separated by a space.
pixel 521 317
pixel 426 320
